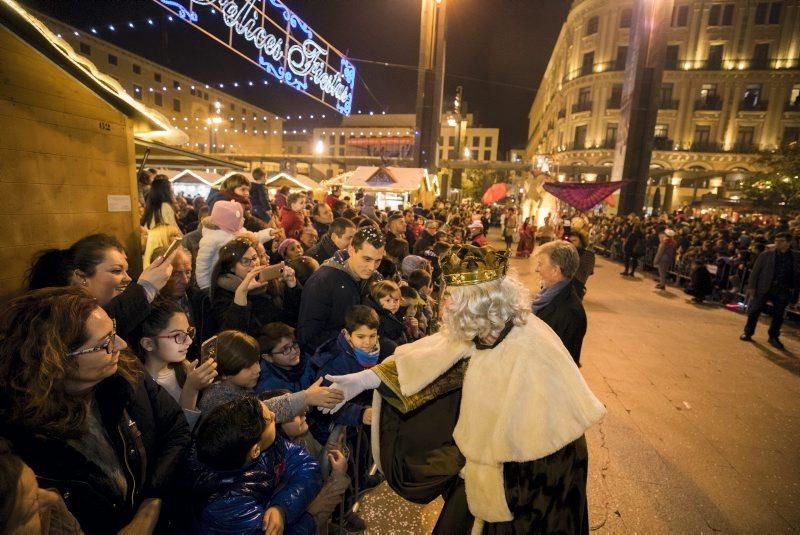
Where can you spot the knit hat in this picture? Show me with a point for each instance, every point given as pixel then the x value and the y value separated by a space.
pixel 228 216
pixel 412 263
pixel 285 245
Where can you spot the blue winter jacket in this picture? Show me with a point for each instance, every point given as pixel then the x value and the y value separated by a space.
pixel 273 377
pixel 234 501
pixel 336 357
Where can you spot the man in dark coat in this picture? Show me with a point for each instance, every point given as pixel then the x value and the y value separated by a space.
pixel 338 284
pixel 338 237
pixel 775 278
pixel 558 304
pixel 427 238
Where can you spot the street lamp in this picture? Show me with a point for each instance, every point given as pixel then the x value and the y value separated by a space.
pixel 319 147
pixel 467 153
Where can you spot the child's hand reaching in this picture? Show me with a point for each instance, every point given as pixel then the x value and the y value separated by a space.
pixel 324 396
pixel 338 461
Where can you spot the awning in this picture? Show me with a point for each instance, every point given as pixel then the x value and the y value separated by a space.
pixel 169 157
pixel 388 179
pixel 293 181
pixel 582 196
pixel 193 176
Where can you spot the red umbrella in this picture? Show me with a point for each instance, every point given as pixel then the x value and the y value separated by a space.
pixel 495 193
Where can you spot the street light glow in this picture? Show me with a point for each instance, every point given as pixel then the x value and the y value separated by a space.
pixel 319 147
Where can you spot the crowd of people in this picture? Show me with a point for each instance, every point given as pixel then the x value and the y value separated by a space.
pixel 753 261
pixel 214 392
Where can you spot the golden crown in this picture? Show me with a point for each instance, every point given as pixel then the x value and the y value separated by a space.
pixel 467 265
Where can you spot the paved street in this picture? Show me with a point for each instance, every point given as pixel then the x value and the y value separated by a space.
pixel 702 432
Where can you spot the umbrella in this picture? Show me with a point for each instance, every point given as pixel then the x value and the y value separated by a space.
pixel 495 193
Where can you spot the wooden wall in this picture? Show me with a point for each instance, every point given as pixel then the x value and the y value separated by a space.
pixel 63 150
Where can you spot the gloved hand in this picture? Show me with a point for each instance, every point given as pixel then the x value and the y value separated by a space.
pixel 351 385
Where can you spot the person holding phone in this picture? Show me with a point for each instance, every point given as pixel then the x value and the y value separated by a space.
pixel 246 294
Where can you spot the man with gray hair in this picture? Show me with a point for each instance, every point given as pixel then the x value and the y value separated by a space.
pixel 557 303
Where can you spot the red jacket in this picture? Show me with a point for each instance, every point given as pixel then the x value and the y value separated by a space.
pixel 292 223
pixel 330 200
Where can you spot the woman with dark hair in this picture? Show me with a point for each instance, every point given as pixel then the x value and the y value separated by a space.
pixel 99 264
pixel 82 414
pixel 240 300
pixel 159 217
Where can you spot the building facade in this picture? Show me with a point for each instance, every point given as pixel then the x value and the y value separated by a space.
pixel 215 121
pixel 730 89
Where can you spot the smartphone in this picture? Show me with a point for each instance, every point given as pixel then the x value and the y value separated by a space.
pixel 172 246
pixel 272 272
pixel 208 349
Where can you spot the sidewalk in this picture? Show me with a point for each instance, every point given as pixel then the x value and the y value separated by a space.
pixel 702 432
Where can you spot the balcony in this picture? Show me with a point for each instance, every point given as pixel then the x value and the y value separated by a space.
pixel 792 106
pixel 582 106
pixel 744 148
pixel 614 102
pixel 750 104
pixel 710 103
pixel 662 143
pixel 706 146
pixel 669 105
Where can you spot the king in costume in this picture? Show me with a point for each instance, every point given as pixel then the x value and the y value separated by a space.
pixel 490 413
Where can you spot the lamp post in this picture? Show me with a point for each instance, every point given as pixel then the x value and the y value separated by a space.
pixel 430 83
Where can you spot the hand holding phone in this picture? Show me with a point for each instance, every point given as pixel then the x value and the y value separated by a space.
pixel 271 272
pixel 172 247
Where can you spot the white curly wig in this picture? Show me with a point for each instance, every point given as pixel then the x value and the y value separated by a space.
pixel 483 310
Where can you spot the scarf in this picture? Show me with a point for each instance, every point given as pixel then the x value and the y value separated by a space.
pixel 546 295
pixel 367 359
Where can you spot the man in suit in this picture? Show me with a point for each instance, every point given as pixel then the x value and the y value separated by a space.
pixel 775 278
pixel 557 303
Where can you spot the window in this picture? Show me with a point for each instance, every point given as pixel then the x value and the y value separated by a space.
pixel 794 98
pixel 671 62
pixel 744 137
pixel 588 63
pixel 591 25
pixel 661 130
pixel 487 155
pixel 622 56
pixel 775 12
pixel 451 141
pixel 332 140
pixel 615 101
pixel 713 14
pixel 579 141
pixel 341 139
pixel 487 141
pixel 625 18
pixel 680 16
pixel 244 111
pixel 752 94
pixel 715 57
pixel 176 84
pixel 233 107
pixel 112 59
pixel 727 15
pixel 157 98
pixel 760 56
pixel 137 92
pixel 584 96
pixel 720 15
pixel 85 49
pixel 476 140
pixel 708 91
pixel 666 94
pixel 702 135
pixel 137 69
pixel 157 76
pixel 341 151
pixel 176 104
pixel 611 136
pixel 768 12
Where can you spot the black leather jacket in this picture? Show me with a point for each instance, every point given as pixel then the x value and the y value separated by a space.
pixel 149 434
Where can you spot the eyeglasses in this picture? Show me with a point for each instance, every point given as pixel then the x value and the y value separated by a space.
pixel 247 262
pixel 288 351
pixel 108 344
pixel 180 337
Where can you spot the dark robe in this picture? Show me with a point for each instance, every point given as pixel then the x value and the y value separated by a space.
pixel 421 461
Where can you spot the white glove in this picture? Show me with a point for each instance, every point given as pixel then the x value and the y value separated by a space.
pixel 351 385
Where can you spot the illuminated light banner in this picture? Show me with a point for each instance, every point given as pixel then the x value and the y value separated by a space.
pixel 269 35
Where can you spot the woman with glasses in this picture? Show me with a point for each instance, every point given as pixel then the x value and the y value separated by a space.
pixel 80 412
pixel 241 296
pixel 166 337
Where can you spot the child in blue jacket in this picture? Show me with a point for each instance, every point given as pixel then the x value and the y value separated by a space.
pixel 283 364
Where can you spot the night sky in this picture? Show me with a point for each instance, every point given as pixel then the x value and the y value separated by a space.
pixel 496 49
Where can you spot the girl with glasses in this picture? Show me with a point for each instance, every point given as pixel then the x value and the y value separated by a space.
pixel 241 300
pixel 165 340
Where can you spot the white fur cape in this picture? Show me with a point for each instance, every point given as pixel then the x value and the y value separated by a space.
pixel 522 400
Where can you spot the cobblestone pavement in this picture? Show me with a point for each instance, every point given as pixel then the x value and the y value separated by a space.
pixel 702 432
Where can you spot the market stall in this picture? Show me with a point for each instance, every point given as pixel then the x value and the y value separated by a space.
pixel 394 187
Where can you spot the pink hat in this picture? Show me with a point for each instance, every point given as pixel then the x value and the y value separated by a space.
pixel 285 245
pixel 228 216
